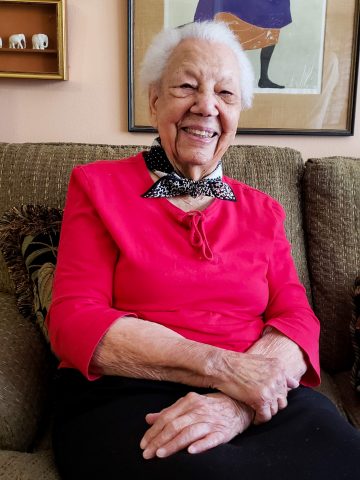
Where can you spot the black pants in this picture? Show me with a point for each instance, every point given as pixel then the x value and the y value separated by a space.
pixel 99 425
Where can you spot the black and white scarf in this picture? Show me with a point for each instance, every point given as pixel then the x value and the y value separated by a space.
pixel 172 184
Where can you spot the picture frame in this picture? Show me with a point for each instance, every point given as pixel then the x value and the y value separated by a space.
pixel 326 107
pixel 32 17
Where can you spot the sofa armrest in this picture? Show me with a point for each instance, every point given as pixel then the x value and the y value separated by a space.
pixel 25 368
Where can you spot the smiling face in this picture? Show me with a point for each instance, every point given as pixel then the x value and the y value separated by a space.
pixel 197 105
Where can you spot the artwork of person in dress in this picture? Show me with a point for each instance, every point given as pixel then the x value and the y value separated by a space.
pixel 257 24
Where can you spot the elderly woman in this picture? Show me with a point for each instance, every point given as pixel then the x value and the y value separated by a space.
pixel 177 313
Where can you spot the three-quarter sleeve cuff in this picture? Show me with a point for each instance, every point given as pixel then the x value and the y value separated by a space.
pixel 311 378
pixel 75 338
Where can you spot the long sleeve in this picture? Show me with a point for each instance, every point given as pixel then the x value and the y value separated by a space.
pixel 81 311
pixel 288 309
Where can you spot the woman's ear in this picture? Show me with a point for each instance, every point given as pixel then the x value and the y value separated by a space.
pixel 153 98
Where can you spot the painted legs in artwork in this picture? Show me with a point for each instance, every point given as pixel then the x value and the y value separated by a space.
pixel 265 56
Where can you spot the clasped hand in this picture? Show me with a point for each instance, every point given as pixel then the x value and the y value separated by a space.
pixel 258 381
pixel 251 388
pixel 196 422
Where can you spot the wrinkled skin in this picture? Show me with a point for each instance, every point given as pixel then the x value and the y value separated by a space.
pixel 197 422
pixel 196 106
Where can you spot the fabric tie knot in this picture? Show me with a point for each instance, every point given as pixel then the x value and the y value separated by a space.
pixel 172 184
pixel 198 234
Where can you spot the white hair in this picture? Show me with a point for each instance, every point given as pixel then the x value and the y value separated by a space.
pixel 164 43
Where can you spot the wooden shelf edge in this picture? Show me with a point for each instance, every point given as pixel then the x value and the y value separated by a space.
pixel 26 50
pixel 36 76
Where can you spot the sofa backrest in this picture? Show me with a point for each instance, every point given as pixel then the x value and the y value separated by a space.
pixel 332 219
pixel 278 172
pixel 38 173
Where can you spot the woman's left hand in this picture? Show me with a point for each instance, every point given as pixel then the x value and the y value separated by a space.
pixel 196 422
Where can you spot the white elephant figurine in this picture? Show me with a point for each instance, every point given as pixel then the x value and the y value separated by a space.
pixel 40 41
pixel 17 41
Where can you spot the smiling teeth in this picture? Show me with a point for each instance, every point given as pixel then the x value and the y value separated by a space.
pixel 200 133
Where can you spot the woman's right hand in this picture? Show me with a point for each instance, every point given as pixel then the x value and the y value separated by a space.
pixel 256 380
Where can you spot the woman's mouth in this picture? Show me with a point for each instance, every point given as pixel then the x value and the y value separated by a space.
pixel 200 133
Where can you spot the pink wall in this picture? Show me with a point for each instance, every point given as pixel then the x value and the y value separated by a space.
pixel 92 106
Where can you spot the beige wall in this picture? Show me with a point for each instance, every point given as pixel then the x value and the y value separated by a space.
pixel 92 105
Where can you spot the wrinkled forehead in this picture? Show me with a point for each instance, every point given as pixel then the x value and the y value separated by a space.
pixel 203 57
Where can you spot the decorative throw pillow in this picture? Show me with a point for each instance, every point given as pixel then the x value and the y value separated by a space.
pixel 355 335
pixel 29 238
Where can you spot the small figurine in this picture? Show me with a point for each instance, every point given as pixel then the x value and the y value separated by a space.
pixel 40 41
pixel 0 42
pixel 17 41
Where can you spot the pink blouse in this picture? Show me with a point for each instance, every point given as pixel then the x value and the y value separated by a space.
pixel 216 276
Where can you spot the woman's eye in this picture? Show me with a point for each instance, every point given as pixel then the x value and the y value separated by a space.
pixel 225 92
pixel 186 85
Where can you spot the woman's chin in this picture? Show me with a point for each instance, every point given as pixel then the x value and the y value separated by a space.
pixel 198 156
pixel 197 152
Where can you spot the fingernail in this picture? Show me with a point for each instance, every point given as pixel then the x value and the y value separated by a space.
pixel 143 444
pixel 161 452
pixel 147 454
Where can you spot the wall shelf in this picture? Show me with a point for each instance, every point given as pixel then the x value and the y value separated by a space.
pixel 30 17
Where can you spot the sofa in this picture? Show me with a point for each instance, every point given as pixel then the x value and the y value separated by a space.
pixel 321 198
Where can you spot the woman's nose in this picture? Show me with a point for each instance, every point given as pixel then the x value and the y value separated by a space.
pixel 205 104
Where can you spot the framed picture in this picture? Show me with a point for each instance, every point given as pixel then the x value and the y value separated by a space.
pixel 304 56
pixel 33 39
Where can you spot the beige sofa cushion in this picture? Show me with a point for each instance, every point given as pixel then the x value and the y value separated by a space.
pixel 28 466
pixel 25 369
pixel 355 336
pixel 332 211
